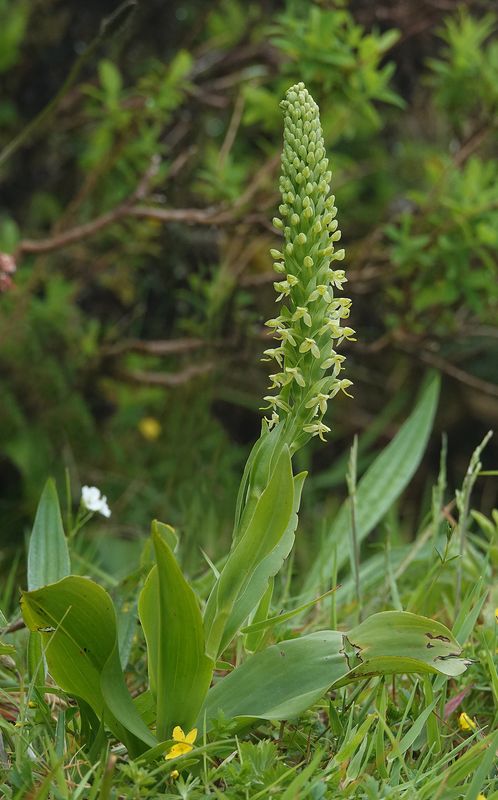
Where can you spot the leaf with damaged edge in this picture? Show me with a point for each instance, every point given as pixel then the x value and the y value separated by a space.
pixel 396 641
pixel 286 679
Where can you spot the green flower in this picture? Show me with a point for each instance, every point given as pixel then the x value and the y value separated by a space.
pixel 309 327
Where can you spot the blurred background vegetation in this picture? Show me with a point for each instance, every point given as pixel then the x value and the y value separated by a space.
pixel 139 158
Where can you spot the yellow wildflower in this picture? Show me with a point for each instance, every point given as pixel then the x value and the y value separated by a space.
pixel 496 614
pixel 466 723
pixel 150 428
pixel 481 797
pixel 174 774
pixel 184 744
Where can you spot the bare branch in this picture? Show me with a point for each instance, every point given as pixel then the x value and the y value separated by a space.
pixel 454 372
pixel 191 216
pixel 17 625
pixel 167 379
pixel 215 215
pixel 89 229
pixel 159 347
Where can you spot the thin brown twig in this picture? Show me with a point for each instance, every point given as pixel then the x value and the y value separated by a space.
pixel 190 216
pixel 18 625
pixel 166 379
pixel 468 147
pixel 450 369
pixel 216 215
pixel 157 347
pixel 89 229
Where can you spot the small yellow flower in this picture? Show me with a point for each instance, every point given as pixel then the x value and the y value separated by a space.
pixel 184 744
pixel 481 797
pixel 466 723
pixel 174 774
pixel 150 428
pixel 496 614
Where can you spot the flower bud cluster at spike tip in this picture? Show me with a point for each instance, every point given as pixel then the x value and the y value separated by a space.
pixel 310 325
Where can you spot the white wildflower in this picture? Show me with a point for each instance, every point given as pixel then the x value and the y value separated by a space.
pixel 93 500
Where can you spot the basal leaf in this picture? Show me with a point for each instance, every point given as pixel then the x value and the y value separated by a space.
pixel 269 523
pixel 180 672
pixel 287 678
pixel 48 562
pixel 398 641
pixel 77 622
pixel 48 555
pixel 266 569
pixel 279 682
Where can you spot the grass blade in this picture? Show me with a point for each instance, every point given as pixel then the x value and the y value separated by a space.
pixel 381 485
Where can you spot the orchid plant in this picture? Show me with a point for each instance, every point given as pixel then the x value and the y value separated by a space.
pixel 72 619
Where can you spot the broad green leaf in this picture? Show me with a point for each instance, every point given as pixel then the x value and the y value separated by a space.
pixel 180 672
pixel 287 678
pixel 77 621
pixel 266 569
pixel 334 475
pixel 398 641
pixel 279 682
pixel 168 533
pixel 257 473
pixel 48 562
pixel 267 526
pixel 381 485
pixel 48 555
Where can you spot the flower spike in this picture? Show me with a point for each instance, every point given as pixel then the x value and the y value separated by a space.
pixel 309 326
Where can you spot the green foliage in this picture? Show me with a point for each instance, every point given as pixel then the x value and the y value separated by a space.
pixel 350 70
pixel 273 516
pixel 458 232
pixel 14 19
pixel 179 670
pixel 48 556
pixel 465 77
pixel 380 486
pixel 421 219
pixel 135 202
pixel 284 680
pixel 83 657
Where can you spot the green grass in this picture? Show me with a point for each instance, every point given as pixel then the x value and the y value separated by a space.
pixel 396 737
